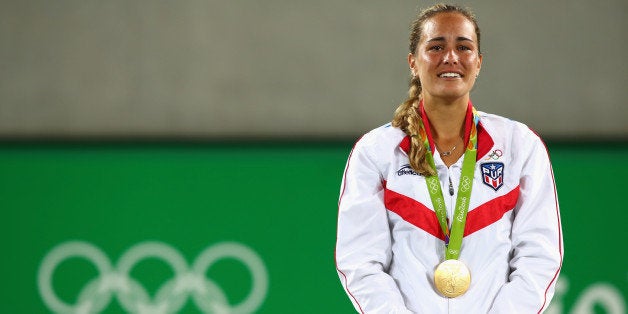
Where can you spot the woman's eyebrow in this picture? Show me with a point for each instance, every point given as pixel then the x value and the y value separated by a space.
pixel 442 38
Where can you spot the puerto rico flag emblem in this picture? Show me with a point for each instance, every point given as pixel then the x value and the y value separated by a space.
pixel 493 174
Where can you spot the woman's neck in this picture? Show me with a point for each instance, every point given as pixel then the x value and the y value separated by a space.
pixel 446 118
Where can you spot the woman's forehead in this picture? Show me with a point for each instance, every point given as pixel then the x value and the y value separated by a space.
pixel 447 25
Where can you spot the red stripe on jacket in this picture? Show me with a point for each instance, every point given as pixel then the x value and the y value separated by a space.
pixel 424 218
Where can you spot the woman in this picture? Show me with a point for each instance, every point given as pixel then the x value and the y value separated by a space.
pixel 447 209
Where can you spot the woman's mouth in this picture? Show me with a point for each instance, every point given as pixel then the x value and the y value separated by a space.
pixel 450 75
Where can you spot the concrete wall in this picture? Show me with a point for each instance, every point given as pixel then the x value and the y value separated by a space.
pixel 293 69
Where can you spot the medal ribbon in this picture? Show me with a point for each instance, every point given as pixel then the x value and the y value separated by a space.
pixel 453 237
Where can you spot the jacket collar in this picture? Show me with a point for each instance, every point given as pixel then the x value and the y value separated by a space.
pixel 485 141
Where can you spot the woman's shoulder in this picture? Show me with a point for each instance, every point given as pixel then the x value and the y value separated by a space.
pixel 381 138
pixel 508 130
pixel 500 124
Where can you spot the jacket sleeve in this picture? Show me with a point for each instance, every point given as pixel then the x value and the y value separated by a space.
pixel 536 239
pixel 363 247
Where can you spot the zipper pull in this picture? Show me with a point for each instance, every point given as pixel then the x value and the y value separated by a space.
pixel 451 188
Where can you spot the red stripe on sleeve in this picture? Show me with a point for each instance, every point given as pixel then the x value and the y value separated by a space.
pixel 559 228
pixel 344 176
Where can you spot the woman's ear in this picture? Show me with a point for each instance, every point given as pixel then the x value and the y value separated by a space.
pixel 412 64
pixel 479 64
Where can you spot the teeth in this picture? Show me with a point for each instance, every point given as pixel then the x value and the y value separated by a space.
pixel 449 74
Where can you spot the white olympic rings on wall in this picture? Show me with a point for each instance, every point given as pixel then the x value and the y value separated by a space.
pixel 170 297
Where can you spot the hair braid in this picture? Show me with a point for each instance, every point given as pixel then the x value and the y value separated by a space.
pixel 407 118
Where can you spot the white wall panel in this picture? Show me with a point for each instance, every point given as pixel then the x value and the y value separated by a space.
pixel 279 68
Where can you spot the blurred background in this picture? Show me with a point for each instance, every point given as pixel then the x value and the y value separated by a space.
pixel 186 156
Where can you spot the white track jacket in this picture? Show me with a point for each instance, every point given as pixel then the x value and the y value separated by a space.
pixel 389 241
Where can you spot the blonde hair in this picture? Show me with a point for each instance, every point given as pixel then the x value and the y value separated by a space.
pixel 407 117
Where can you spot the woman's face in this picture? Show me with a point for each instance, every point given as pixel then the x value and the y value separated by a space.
pixel 447 58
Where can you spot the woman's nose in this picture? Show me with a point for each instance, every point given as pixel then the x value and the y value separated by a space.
pixel 451 57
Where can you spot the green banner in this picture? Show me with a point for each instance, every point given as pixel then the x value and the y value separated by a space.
pixel 218 228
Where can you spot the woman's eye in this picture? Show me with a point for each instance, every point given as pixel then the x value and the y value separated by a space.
pixel 463 48
pixel 436 48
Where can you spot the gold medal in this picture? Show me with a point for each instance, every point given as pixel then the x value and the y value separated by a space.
pixel 452 278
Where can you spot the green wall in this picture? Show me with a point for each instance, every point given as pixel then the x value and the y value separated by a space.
pixel 262 214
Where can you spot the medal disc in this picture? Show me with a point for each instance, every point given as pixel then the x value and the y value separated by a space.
pixel 452 278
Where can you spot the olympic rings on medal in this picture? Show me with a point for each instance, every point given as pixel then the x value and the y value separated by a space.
pixel 170 297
